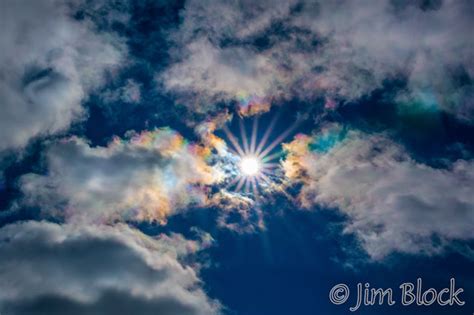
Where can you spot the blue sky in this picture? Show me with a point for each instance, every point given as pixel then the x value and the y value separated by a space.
pixel 123 129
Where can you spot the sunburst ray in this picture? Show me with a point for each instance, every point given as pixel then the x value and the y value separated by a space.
pixel 256 162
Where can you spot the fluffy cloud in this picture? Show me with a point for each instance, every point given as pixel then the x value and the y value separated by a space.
pixel 147 176
pixel 212 74
pixel 392 203
pixel 49 63
pixel 246 50
pixel 425 41
pixel 55 269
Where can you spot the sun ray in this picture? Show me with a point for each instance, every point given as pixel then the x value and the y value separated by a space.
pixel 254 187
pixel 265 178
pixel 240 184
pixel 232 182
pixel 267 172
pixel 247 186
pixel 233 140
pixel 272 157
pixel 278 140
pixel 253 141
pixel 243 135
pixel 267 134
pixel 270 165
pixel 233 151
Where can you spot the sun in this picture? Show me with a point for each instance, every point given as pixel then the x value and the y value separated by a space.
pixel 256 161
pixel 250 165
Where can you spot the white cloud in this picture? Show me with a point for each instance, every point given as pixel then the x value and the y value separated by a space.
pixel 344 49
pixel 220 73
pixel 387 38
pixel 49 268
pixel 392 203
pixel 49 64
pixel 148 176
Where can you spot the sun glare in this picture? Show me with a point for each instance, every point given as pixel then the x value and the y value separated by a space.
pixel 249 165
pixel 257 163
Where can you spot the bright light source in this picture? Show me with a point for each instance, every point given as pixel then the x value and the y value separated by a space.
pixel 255 171
pixel 249 166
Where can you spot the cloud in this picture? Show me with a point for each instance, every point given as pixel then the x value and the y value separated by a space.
pixel 48 268
pixel 147 176
pixel 370 42
pixel 272 50
pixel 207 73
pixel 237 212
pixel 392 203
pixel 213 74
pixel 49 63
pixel 128 93
pixel 205 130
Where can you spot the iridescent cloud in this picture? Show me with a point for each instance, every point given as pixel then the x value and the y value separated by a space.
pixel 392 202
pixel 146 176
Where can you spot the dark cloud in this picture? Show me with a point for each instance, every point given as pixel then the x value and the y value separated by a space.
pixel 48 268
pixel 110 302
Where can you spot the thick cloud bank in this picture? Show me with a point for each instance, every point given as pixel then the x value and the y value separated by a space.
pixel 66 269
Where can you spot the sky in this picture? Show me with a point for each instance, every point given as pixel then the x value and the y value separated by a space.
pixel 234 157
